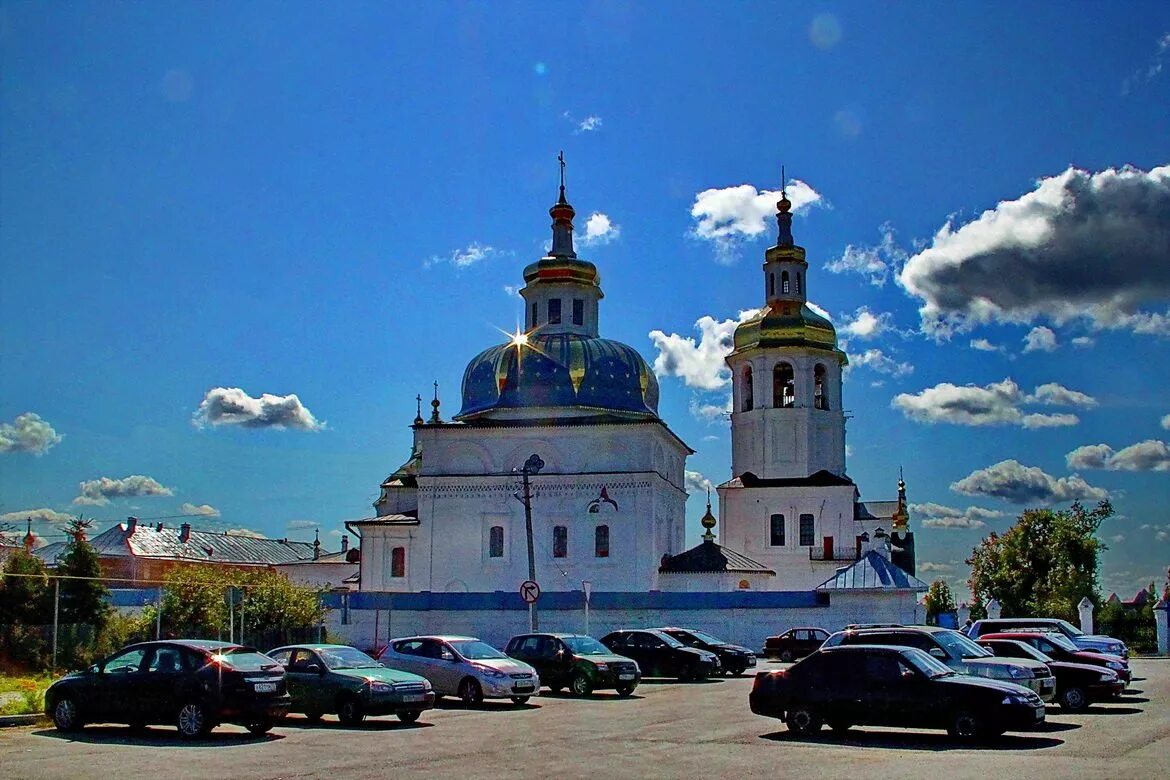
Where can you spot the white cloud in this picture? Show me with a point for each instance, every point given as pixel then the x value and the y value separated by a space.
pixel 700 365
pixel 706 410
pixel 206 510
pixel 1040 256
pixel 938 516
pixel 1151 69
pixel 599 229
pixel 728 216
pixel 232 406
pixel 983 345
pixel 880 362
pixel 464 257
pixel 998 403
pixel 28 433
pixel 589 123
pixel 1019 484
pixel 1040 339
pixel 98 492
pixel 1166 422
pixel 245 532
pixel 697 483
pixel 1117 539
pixel 301 525
pixel 42 515
pixel 927 567
pixel 1149 455
pixel 864 324
pixel 873 262
pixel 1083 342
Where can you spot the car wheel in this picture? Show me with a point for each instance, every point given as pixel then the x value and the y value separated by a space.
pixel 580 685
pixel 840 726
pixel 520 699
pixel 470 692
pixel 66 716
pixel 1073 699
pixel 735 671
pixel 409 716
pixel 803 719
pixel 192 720
pixel 786 656
pixel 313 716
pixel 349 711
pixel 625 690
pixel 260 727
pixel 965 725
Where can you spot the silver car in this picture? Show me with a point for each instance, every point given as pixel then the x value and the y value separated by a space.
pixel 463 666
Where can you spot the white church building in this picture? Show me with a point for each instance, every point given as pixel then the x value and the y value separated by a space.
pixel 606 473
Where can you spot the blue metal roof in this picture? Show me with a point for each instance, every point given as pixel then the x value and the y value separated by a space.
pixel 872 572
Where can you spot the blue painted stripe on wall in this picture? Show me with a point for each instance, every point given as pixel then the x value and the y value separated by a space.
pixel 133 597
pixel 573 600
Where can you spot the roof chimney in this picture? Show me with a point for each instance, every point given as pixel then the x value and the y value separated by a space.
pixel 158 527
pixel 344 542
pixel 185 532
pixel 131 525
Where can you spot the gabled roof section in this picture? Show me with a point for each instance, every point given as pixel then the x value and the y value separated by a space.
pixel 147 541
pixel 872 572
pixel 708 557
pixel 49 552
pixel 875 510
pixel 406 518
pixel 822 478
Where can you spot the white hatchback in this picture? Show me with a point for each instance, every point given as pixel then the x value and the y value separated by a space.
pixel 463 666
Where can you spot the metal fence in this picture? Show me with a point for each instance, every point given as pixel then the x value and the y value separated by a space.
pixel 1138 632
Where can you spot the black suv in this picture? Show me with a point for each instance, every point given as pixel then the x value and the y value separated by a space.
pixel 578 662
pixel 734 659
pixel 661 655
pixel 193 684
pixel 891 686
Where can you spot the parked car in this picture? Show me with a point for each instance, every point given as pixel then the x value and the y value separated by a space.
pixel 734 659
pixel 1076 684
pixel 661 655
pixel 1059 647
pixel 868 685
pixel 194 684
pixel 580 663
pixel 463 666
pixel 794 643
pixel 1094 643
pixel 345 681
pixel 957 652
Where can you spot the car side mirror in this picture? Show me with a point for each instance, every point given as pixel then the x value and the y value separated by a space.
pixel 937 652
pixel 314 669
pixel 908 675
pixel 95 669
pixel 448 657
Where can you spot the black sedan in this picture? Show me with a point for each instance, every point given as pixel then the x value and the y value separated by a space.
pixel 734 659
pixel 661 655
pixel 1076 684
pixel 875 685
pixel 194 684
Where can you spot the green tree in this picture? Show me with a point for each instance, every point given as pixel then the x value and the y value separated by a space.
pixel 1043 565
pixel 84 598
pixel 193 604
pixel 938 599
pixel 273 602
pixel 25 596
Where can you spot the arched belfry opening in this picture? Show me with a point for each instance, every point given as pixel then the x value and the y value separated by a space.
pixel 748 398
pixel 820 389
pixel 783 386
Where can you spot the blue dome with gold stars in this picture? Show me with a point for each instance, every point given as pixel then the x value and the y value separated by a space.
pixel 559 374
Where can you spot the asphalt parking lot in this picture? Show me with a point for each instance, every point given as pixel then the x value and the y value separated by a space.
pixel 666 729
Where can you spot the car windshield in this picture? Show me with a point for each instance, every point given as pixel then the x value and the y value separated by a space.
pixel 586 645
pixel 475 650
pixel 346 658
pixel 1062 641
pixel 1030 652
pixel 706 638
pixel 665 637
pixel 926 664
pixel 1069 629
pixel 245 659
pixel 957 644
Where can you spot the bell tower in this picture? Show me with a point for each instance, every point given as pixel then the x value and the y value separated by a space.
pixel 786 419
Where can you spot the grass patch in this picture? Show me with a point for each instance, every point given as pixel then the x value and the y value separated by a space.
pixel 23 695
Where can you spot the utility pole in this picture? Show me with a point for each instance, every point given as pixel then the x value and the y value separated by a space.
pixel 531 466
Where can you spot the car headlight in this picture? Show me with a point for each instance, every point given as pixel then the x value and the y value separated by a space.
pixel 1018 672
pixel 380 687
pixel 1115 665
pixel 1109 677
pixel 602 667
pixel 1012 698
pixel 490 672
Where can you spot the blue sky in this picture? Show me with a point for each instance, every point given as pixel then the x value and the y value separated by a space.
pixel 203 198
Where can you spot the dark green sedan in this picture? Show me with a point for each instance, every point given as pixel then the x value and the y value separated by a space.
pixel 343 680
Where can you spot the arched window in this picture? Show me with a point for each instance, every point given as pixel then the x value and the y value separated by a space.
pixel 776 530
pixel 554 311
pixel 560 541
pixel 807 533
pixel 398 562
pixel 496 541
pixel 784 282
pixel 820 392
pixel 601 541
pixel 534 310
pixel 748 398
pixel 771 285
pixel 798 282
pixel 783 386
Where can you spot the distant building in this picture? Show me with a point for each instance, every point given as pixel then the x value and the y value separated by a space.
pixel 335 571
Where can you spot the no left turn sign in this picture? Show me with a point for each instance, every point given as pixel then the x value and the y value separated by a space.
pixel 529 591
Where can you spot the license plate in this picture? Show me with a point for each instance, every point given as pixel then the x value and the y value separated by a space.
pixel 265 687
pixel 415 697
pixel 626 676
pixel 524 687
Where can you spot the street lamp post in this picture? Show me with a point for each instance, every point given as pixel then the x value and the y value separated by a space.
pixel 587 587
pixel 531 466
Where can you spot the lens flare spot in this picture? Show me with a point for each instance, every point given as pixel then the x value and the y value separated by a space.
pixel 825 31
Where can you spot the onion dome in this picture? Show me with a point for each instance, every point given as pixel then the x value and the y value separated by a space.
pixel 559 375
pixel 708 521
pixel 786 324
